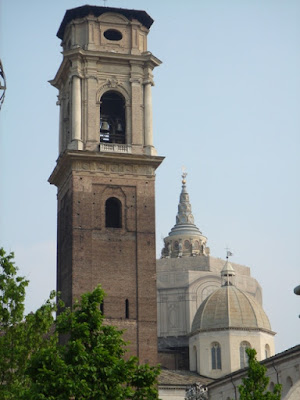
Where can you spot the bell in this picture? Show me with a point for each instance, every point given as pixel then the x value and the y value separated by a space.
pixel 104 126
pixel 119 127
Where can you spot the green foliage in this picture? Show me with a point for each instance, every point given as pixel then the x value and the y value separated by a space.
pixel 88 361
pixel 77 356
pixel 12 292
pixel 19 336
pixel 254 386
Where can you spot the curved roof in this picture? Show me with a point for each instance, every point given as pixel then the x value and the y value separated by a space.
pixel 83 11
pixel 229 307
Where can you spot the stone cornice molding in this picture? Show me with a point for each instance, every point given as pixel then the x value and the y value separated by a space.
pixel 103 163
pixel 172 386
pixel 232 328
pixel 78 53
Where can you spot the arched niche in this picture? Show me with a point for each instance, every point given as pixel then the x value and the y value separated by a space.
pixel 112 118
pixel 114 111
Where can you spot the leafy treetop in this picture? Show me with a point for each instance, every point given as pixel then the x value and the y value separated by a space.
pixel 254 386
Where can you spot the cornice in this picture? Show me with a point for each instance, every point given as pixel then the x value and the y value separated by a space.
pixel 232 328
pixel 103 164
pixel 147 59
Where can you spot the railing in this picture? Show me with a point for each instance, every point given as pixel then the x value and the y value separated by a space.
pixel 115 148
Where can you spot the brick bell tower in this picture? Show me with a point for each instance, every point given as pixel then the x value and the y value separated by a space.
pixel 105 173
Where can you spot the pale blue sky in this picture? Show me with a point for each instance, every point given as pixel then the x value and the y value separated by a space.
pixel 226 106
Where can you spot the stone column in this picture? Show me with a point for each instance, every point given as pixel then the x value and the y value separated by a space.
pixel 76 113
pixel 128 123
pixel 148 114
pixel 61 124
pixel 148 127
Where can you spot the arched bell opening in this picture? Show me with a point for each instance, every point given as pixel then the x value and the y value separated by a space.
pixel 112 118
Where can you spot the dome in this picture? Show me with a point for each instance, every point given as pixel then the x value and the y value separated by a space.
pixel 229 307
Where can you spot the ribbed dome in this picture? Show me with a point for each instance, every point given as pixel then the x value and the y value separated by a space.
pixel 229 307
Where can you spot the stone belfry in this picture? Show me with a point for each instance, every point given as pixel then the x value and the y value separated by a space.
pixel 105 173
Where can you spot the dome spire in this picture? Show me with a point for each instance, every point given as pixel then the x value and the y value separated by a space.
pixel 184 215
pixel 185 239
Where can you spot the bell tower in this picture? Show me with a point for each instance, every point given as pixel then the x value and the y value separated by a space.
pixel 105 173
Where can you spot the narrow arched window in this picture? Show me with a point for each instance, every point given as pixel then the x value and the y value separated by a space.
pixel 127 308
pixel 267 351
pixel 113 213
pixel 112 118
pixel 289 382
pixel 216 362
pixel 102 308
pixel 243 354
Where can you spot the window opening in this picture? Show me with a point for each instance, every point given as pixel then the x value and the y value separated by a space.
pixel 289 382
pixel 126 308
pixel 216 362
pixel 113 34
pixel 112 118
pixel 267 351
pixel 243 354
pixel 113 213
pixel 102 308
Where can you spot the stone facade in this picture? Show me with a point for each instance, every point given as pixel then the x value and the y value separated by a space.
pixel 105 173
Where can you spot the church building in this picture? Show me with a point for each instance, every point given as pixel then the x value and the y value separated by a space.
pixel 192 312
pixel 209 310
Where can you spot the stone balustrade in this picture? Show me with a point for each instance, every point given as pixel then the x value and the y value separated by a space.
pixel 115 148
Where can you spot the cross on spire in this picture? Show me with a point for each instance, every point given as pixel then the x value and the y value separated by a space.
pixel 228 253
pixel 184 174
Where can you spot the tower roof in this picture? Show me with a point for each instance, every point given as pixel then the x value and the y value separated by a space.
pixel 227 270
pixel 185 239
pixel 83 11
pixel 229 307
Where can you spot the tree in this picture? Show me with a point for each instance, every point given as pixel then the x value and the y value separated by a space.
pixel 254 386
pixel 84 359
pixel 19 336
pixel 77 356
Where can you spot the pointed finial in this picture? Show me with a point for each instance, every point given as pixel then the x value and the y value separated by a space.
pixel 184 174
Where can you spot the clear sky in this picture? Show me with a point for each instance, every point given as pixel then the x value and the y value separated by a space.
pixel 226 105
